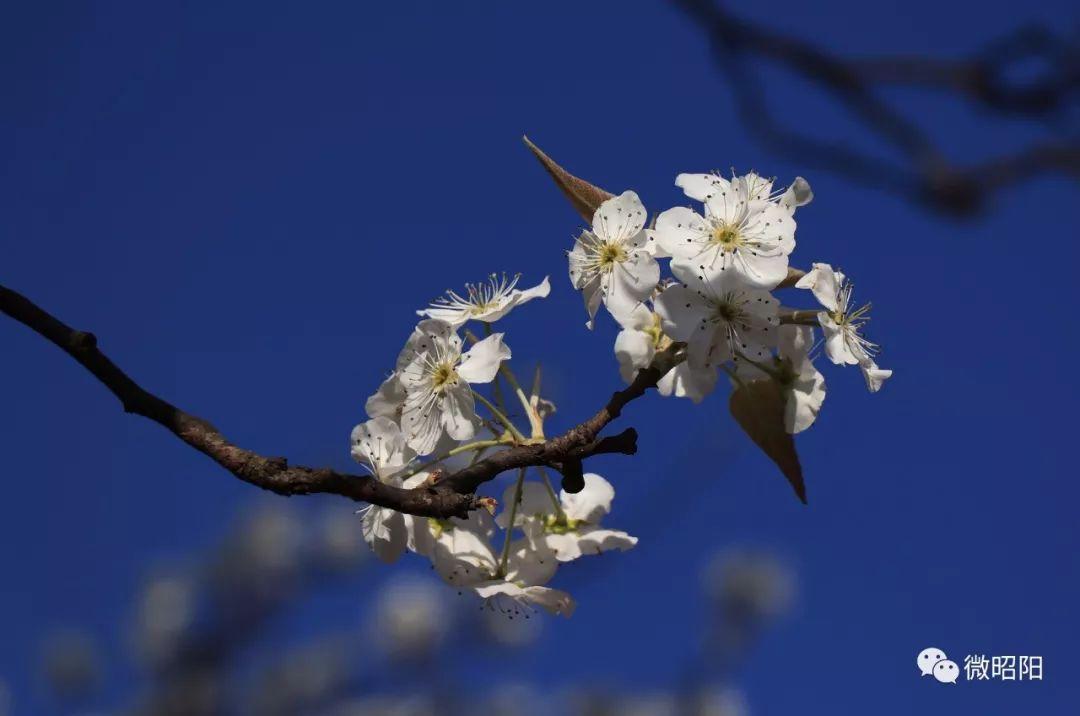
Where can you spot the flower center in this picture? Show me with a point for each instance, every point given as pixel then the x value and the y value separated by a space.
pixel 481 308
pixel 443 375
pixel 656 334
pixel 610 254
pixel 728 312
pixel 726 236
pixel 556 526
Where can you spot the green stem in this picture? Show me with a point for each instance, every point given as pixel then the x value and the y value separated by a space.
pixel 500 416
pixel 479 445
pixel 551 493
pixel 510 527
pixel 507 373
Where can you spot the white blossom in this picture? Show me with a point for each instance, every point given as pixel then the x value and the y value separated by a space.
pixel 641 337
pixel 718 320
pixel 742 230
pixel 379 445
pixel 638 341
pixel 612 262
pixel 577 531
pixel 462 554
pixel 842 324
pixel 487 302
pixel 436 379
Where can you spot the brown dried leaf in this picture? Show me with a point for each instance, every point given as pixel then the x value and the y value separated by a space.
pixel 583 196
pixel 758 407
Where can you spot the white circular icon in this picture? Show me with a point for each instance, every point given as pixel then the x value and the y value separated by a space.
pixel 928 658
pixel 947 672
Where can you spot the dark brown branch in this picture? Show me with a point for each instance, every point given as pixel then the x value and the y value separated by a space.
pixel 923 174
pixel 448 496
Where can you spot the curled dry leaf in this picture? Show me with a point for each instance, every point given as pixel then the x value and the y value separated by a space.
pixel 758 407
pixel 584 196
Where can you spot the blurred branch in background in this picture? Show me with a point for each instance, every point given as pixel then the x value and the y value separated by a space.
pixel 206 637
pixel 1032 74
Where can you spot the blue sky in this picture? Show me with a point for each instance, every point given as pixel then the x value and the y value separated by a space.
pixel 246 203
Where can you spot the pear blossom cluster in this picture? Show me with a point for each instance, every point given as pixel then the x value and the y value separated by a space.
pixel 726 257
pixel 713 313
pixel 426 412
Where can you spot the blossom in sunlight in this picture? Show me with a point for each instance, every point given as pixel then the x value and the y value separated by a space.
pixel 487 302
pixel 438 399
pixel 573 529
pixel 842 324
pixel 719 320
pixel 379 445
pixel 462 554
pixel 638 341
pixel 741 231
pixel 641 337
pixel 612 262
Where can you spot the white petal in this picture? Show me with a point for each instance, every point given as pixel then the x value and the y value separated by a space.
pixel 681 232
pixel 630 284
pixel 764 272
pixel 681 311
pixel 823 282
pixel 634 350
pixel 803 400
pixel 874 376
pixel 577 258
pixel 421 540
pixel 592 503
pixel 387 400
pixel 481 362
pixel 593 295
pixel 384 531
pixel 540 290
pixel 459 413
pixel 620 218
pixel 596 540
pixel 421 421
pixel 702 186
pixel 798 194
pixel 530 563
pixel 565 547
pixel 535 501
pixel 837 348
pixel 682 381
pixel 428 333
pixel 380 445
pixel 730 204
pixel 758 188
pixel 452 315
pixel 515 299
pixel 553 600
pixel 795 342
pixel 640 319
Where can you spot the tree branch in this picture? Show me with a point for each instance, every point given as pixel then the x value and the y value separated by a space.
pixel 445 496
pixel 923 174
